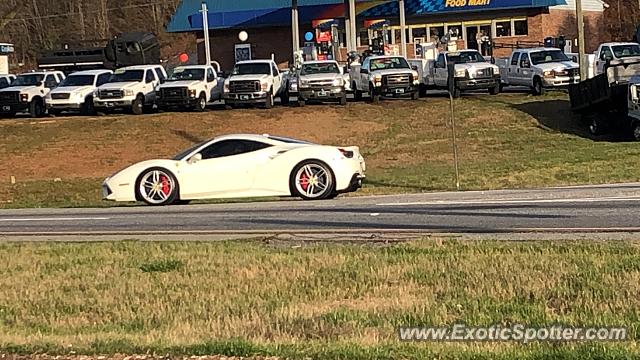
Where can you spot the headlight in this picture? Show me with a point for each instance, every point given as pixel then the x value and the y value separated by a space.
pixel 264 85
pixel 304 84
pixel 375 78
pixel 561 72
pixel 415 74
pixel 461 73
pixel 128 92
pixel 226 86
pixel 79 96
pixel 24 97
pixel 192 93
pixel 293 86
pixel 549 74
pixel 96 94
pixel 337 82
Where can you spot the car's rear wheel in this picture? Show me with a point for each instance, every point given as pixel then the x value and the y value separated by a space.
pixel 157 186
pixel 312 180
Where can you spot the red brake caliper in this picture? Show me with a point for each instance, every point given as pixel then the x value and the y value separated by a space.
pixel 165 185
pixel 304 181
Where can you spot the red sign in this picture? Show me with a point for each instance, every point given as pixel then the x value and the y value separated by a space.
pixel 324 36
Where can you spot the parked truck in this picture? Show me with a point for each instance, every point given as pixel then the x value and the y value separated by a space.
pixel 130 88
pixel 380 75
pixel 538 69
pixel 27 93
pixel 321 81
pixel 255 82
pixel 472 72
pixel 610 100
pixel 191 87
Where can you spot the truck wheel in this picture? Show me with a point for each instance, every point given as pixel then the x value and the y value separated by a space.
pixel 374 98
pixel 301 102
pixel 537 89
pixel 88 107
pixel 423 90
pixel 137 108
pixel 357 94
pixel 343 99
pixel 415 95
pixel 35 108
pixel 284 98
pixel 596 127
pixel 269 103
pixel 201 105
pixel 494 90
pixel 636 130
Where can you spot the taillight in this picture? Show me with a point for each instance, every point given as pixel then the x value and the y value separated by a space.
pixel 346 153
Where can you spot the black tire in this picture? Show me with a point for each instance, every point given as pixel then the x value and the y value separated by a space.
pixel 423 90
pixel 88 108
pixel 415 95
pixel 357 94
pixel 329 177
pixel 174 192
pixel 137 108
pixel 284 98
pixel 8 115
pixel 494 90
pixel 269 102
pixel 501 87
pixel 301 102
pixel 343 99
pixel 537 88
pixel 596 125
pixel 375 98
pixel 36 108
pixel 201 105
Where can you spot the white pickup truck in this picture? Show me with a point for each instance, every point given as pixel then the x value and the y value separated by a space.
pixel 27 93
pixel 538 69
pixel 6 80
pixel 321 81
pixel 75 93
pixel 255 82
pixel 130 88
pixel 384 76
pixel 192 86
pixel 472 71
pixel 616 51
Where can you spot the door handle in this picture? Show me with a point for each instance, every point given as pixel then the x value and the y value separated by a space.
pixel 273 156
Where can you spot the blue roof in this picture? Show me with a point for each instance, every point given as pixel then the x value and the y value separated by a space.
pixel 251 13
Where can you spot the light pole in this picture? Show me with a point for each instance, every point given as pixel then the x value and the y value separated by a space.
pixel 581 50
pixel 205 28
pixel 295 29
pixel 403 29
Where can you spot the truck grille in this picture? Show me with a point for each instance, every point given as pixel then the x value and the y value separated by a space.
pixel 484 73
pixel 111 94
pixel 399 80
pixel 174 93
pixel 10 96
pixel 321 83
pixel 60 96
pixel 244 86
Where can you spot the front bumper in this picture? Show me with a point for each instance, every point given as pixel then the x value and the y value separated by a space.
pixel 60 105
pixel 246 98
pixel 560 81
pixel 174 102
pixel 479 83
pixel 327 93
pixel 8 108
pixel 113 103
pixel 395 91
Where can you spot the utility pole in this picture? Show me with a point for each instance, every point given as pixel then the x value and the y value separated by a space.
pixel 347 25
pixel 581 49
pixel 352 23
pixel 403 29
pixel 205 28
pixel 295 29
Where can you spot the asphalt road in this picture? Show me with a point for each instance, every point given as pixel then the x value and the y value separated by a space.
pixel 559 210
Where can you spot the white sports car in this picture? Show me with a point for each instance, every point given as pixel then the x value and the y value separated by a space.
pixel 233 166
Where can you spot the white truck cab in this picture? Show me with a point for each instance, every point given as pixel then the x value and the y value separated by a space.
pixel 612 51
pixel 538 69
pixel 75 93
pixel 384 76
pixel 255 82
pixel 28 91
pixel 130 88
pixel 6 80
pixel 190 86
pixel 321 81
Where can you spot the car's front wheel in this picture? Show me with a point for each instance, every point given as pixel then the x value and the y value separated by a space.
pixel 201 104
pixel 312 180
pixel 157 186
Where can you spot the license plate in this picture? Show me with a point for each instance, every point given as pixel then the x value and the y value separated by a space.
pixel 244 97
pixel 6 108
pixel 322 93
pixel 399 91
pixel 108 104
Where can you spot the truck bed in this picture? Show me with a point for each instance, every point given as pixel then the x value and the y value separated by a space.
pixel 604 92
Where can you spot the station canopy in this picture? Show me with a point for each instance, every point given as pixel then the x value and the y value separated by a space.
pixel 225 14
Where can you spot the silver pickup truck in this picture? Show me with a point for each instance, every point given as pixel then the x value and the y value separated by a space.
pixel 321 81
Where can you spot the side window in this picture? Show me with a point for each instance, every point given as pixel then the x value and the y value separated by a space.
pixel 3 82
pixel 274 70
pixel 231 148
pixel 50 81
pixel 210 75
pixel 606 53
pixel 440 62
pixel 103 79
pixel 149 76
pixel 160 74
pixel 524 61
pixel 514 58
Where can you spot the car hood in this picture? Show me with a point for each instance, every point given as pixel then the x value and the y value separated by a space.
pixel 391 71
pixel 476 66
pixel 73 89
pixel 181 83
pixel 248 77
pixel 321 76
pixel 562 65
pixel 20 88
pixel 119 85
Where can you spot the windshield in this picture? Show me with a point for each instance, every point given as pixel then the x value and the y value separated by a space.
pixel 465 57
pixel 127 76
pixel 252 68
pixel 185 153
pixel 548 56
pixel 389 63
pixel 320 68
pixel 27 80
pixel 187 74
pixel 78 80
pixel 628 50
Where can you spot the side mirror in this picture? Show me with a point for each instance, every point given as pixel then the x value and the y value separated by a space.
pixel 364 71
pixel 634 93
pixel 40 83
pixel 195 158
pixel 414 67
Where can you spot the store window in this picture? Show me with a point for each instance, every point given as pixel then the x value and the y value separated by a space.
pixel 436 32
pixel 455 31
pixel 520 27
pixel 503 28
pixel 419 32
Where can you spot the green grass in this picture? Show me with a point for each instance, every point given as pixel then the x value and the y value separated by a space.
pixel 320 301
pixel 506 141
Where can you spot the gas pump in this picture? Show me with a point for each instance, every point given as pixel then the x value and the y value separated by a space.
pixel 379 36
pixel 327 39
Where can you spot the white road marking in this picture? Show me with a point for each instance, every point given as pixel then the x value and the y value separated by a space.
pixel 375 214
pixel 52 219
pixel 513 201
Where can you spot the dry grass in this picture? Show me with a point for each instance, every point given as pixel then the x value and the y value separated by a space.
pixel 134 296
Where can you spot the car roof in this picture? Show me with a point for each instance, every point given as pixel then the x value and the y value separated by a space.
pixel 140 67
pixel 537 49
pixel 320 62
pixel 265 138
pixel 92 72
pixel 255 62
pixel 193 66
pixel 383 57
pixel 618 43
